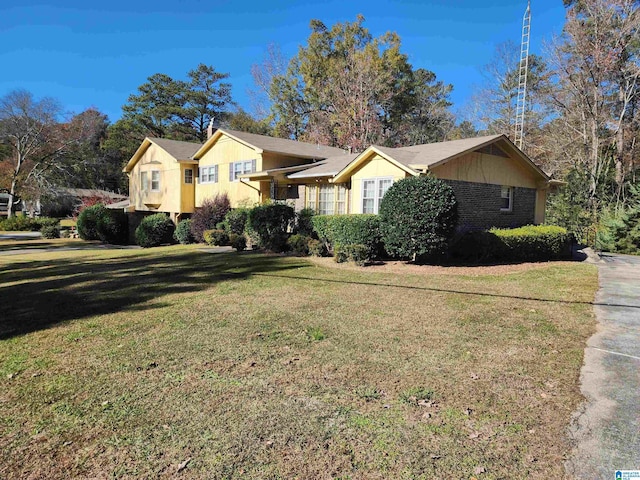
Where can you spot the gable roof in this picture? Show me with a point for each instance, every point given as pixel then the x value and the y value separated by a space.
pixel 263 143
pixel 180 151
pixel 327 167
pixel 418 158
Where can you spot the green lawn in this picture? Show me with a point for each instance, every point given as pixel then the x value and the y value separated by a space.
pixel 127 363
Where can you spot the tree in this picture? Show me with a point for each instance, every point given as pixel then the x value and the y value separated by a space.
pixel 242 121
pixel 341 88
pixel 34 142
pixel 596 73
pixel 179 109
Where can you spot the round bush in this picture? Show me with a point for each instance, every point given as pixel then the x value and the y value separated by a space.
pixel 155 230
pixel 237 241
pixel 271 222
pixel 183 232
pixel 50 231
pixel 418 217
pixel 112 227
pixel 87 222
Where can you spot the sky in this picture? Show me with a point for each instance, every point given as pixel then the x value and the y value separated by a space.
pixel 95 54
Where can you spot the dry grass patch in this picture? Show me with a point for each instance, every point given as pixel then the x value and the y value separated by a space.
pixel 127 363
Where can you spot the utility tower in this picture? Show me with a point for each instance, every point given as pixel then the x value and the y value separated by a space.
pixel 521 103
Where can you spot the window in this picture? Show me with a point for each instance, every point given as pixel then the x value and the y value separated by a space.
pixel 209 174
pixel 506 200
pixel 240 168
pixel 341 199
pixel 188 175
pixel 155 180
pixel 325 200
pixel 144 181
pixel 312 197
pixel 373 189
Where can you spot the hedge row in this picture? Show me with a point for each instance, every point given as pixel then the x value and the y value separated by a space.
pixel 22 223
pixel 528 243
pixel 340 231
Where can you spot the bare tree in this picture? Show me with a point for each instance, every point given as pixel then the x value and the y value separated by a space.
pixel 273 64
pixel 35 141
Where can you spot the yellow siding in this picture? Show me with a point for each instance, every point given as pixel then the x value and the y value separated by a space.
pixel 375 167
pixel 483 168
pixel 168 198
pixel 224 152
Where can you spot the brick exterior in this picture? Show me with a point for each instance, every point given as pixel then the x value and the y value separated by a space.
pixel 479 205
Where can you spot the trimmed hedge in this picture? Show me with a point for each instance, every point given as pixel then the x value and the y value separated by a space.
pixel 236 220
pixel 356 229
pixel 155 230
pixel 299 244
pixel 97 222
pixel 50 231
pixel 418 217
pixel 22 223
pixel 271 222
pixel 217 237
pixel 239 242
pixel 528 243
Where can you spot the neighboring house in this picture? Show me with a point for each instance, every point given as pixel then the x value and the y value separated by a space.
pixel 4 204
pixel 162 177
pixel 495 183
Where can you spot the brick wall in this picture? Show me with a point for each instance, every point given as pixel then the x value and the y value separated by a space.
pixel 479 205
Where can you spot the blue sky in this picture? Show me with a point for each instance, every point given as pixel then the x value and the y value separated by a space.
pixel 96 54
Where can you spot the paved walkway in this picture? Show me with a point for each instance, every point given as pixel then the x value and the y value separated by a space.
pixel 607 428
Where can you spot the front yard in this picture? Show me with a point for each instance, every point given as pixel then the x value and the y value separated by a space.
pixel 173 362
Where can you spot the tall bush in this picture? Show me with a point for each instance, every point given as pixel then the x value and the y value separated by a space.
pixel 207 217
pixel 236 220
pixel 271 223
pixel 183 232
pixel 620 229
pixel 304 225
pixel 418 217
pixel 87 222
pixel 155 230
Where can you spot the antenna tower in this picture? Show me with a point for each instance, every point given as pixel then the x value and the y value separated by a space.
pixel 522 78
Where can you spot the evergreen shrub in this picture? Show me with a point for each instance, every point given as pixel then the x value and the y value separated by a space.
pixel 155 230
pixel 418 217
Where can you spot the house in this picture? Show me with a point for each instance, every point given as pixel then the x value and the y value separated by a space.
pixel 495 183
pixel 162 178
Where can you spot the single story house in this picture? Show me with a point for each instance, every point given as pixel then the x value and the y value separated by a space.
pixel 495 183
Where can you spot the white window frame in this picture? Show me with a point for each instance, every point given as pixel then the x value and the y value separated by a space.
pixel 209 174
pixel 153 174
pixel 329 203
pixel 505 189
pixel 377 181
pixel 190 177
pixel 240 168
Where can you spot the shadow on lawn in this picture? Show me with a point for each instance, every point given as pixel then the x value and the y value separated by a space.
pixel 445 290
pixel 54 291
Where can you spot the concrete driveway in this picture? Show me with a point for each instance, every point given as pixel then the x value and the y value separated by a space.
pixel 19 235
pixel 606 430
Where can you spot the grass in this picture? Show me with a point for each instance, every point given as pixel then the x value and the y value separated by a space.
pixel 127 363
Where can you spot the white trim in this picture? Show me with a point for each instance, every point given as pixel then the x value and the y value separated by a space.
pixel 158 181
pixel 376 190
pixel 510 197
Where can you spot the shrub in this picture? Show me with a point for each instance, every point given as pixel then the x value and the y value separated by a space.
pixel 239 242
pixel 529 243
pixel 216 237
pixel 154 230
pixel 22 223
pixel 87 222
pixel 183 232
pixel 236 220
pixel 212 212
pixel 50 231
pixel 357 229
pixel 317 248
pixel 418 217
pixel 299 244
pixel 271 222
pixel 65 233
pixel 304 226
pixel 620 229
pixel 354 252
pixel 112 227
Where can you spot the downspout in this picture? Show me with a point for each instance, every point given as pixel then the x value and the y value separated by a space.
pixel 242 180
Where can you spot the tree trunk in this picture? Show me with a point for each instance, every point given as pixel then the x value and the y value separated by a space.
pixel 12 195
